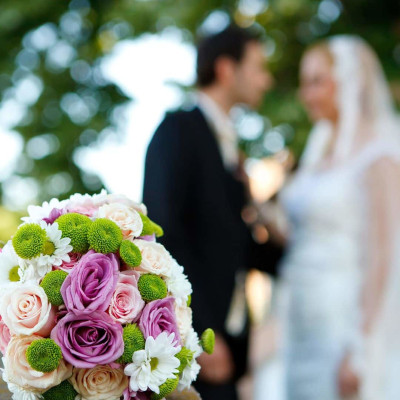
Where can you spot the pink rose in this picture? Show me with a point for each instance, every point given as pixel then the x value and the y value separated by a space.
pixel 126 302
pixel 129 395
pixel 159 316
pixel 86 204
pixel 89 211
pixel 19 372
pixel 25 309
pixel 68 266
pixel 91 284
pixel 5 336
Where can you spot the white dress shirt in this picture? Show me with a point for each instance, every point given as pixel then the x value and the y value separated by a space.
pixel 223 128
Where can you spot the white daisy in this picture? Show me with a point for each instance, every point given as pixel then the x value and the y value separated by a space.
pixel 178 284
pixel 57 252
pixel 10 269
pixel 37 213
pixel 151 367
pixel 191 371
pixel 19 393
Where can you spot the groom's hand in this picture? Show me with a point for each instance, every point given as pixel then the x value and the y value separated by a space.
pixel 217 368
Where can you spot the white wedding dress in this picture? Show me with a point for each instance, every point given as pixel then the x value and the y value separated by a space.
pixel 331 261
pixel 321 275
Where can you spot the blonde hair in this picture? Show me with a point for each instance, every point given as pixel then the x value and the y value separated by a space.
pixel 322 46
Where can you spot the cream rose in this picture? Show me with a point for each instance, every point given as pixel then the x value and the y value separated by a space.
pixel 121 199
pixel 99 383
pixel 126 218
pixel 19 372
pixel 25 309
pixel 184 319
pixel 155 258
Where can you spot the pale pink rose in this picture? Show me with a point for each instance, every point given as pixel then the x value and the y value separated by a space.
pixel 126 302
pixel 19 372
pixel 5 336
pixel 86 204
pixel 126 218
pixel 100 383
pixel 25 309
pixel 68 266
pixel 88 210
pixel 155 258
pixel 121 199
pixel 184 319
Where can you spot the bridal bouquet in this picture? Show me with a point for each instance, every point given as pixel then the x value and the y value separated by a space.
pixel 92 307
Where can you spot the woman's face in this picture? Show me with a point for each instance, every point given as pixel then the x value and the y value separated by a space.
pixel 317 86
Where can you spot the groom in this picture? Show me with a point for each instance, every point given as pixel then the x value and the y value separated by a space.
pixel 195 188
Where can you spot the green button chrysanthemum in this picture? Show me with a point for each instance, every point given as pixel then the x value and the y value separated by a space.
pixel 207 341
pixel 51 284
pixel 44 355
pixel 166 388
pixel 150 227
pixel 130 254
pixel 185 356
pixel 152 287
pixel 104 236
pixel 75 226
pixel 189 300
pixel 29 241
pixel 63 391
pixel 133 341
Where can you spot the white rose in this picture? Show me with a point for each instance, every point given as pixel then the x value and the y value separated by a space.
pixel 184 320
pixel 126 218
pixel 155 258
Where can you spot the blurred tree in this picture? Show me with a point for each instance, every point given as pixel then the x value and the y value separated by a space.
pixel 9 224
pixel 50 58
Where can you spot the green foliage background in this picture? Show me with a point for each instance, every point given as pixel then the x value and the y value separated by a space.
pixel 90 29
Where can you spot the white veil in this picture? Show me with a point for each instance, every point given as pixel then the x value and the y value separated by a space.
pixel 368 124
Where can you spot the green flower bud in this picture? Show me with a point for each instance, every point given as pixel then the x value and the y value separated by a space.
pixel 63 391
pixel 152 287
pixel 130 254
pixel 207 341
pixel 133 341
pixel 166 388
pixel 44 355
pixel 185 356
pixel 104 236
pixel 51 284
pixel 29 241
pixel 150 227
pixel 75 226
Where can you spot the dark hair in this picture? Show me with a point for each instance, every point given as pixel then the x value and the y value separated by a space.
pixel 230 42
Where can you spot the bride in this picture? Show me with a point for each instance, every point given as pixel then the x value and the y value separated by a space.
pixel 341 274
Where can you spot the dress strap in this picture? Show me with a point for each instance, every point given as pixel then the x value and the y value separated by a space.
pixel 374 151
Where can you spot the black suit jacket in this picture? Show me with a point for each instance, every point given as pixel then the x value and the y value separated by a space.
pixel 198 203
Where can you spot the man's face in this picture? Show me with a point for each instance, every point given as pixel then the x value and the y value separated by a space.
pixel 251 77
